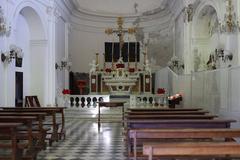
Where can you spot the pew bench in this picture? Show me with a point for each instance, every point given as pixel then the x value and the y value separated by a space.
pixel 139 136
pixel 188 123
pixel 11 130
pixel 170 117
pixel 40 130
pixel 214 149
pixel 166 112
pixel 22 144
pixel 58 133
pixel 162 109
pixel 50 112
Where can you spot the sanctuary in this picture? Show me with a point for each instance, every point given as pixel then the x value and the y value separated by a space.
pixel 118 76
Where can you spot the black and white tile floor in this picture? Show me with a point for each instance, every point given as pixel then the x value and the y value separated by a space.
pixel 84 142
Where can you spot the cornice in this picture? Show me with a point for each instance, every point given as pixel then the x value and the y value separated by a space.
pixel 100 27
pixel 60 5
pixel 112 19
pixel 98 23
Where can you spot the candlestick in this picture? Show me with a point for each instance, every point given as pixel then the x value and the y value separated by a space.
pixel 97 61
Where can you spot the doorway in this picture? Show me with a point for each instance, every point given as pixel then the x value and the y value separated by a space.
pixel 19 89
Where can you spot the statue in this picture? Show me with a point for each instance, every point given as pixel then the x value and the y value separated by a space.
pixel 93 66
pixel 147 67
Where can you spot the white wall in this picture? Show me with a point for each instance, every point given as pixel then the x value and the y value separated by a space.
pixel 83 46
pixel 23 31
pixel 39 48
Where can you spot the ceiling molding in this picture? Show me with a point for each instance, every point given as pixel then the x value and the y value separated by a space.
pixel 124 8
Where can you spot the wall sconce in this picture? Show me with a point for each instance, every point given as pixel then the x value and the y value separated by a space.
pixel 64 64
pixel 217 56
pixel 176 64
pixel 223 54
pixel 230 23
pixel 3 27
pixel 15 52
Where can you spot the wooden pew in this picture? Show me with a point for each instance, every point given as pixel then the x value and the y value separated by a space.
pixel 136 135
pixel 28 121
pixel 163 109
pixel 216 149
pixel 51 111
pixel 171 117
pixel 39 131
pixel 11 130
pixel 166 112
pixel 174 124
pixel 204 123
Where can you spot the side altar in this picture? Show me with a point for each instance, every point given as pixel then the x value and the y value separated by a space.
pixel 121 78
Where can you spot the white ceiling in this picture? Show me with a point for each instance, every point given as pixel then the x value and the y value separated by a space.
pixel 116 8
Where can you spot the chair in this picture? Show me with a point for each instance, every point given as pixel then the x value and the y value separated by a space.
pixel 81 85
pixel 32 101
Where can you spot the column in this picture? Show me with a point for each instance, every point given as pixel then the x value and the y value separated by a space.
pixel 51 85
pixel 238 19
pixel 188 56
pixel 67 34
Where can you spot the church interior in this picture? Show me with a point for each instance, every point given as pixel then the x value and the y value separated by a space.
pixel 119 80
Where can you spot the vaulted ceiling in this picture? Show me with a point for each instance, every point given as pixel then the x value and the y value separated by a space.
pixel 118 7
pixel 124 8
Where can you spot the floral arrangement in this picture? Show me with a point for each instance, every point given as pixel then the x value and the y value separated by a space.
pixel 108 70
pixel 161 91
pixel 131 70
pixel 120 65
pixel 66 91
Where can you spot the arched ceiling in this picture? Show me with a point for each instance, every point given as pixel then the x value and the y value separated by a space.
pixel 115 8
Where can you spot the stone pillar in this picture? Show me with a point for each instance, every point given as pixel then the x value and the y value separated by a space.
pixel 67 33
pixel 188 56
pixel 52 19
pixel 238 19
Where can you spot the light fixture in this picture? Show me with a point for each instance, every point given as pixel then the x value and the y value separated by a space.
pixel 219 55
pixel 224 55
pixel 230 24
pixel 3 27
pixel 175 63
pixel 15 52
pixel 64 64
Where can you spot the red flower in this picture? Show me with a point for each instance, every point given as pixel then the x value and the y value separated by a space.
pixel 108 70
pixel 120 65
pixel 131 69
pixel 66 91
pixel 161 91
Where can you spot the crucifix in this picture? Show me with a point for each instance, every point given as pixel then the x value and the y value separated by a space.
pixel 120 31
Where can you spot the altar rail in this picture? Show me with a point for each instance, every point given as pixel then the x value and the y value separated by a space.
pixel 148 100
pixel 87 100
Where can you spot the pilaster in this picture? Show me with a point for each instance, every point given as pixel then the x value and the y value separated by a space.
pixel 67 32
pixel 52 19
pixel 238 19
pixel 188 56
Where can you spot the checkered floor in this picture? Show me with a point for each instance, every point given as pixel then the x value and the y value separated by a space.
pixel 84 142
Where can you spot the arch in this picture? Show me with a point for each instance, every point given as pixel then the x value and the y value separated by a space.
pixel 35 56
pixel 200 8
pixel 36 11
pixel 206 36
